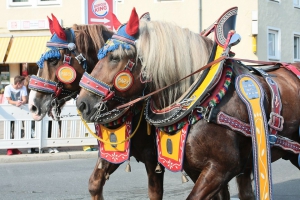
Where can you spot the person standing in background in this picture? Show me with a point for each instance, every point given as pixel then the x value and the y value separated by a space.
pixel 15 94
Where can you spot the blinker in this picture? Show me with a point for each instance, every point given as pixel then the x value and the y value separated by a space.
pixel 123 80
pixel 66 73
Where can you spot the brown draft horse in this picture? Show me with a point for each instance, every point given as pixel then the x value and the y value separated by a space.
pixel 88 40
pixel 164 53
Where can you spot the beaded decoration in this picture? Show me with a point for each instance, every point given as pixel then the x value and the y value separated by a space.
pixel 196 116
pixel 53 53
pixel 111 45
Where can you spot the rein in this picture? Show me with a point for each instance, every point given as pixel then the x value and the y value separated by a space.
pixel 112 143
pixel 156 91
pixel 285 65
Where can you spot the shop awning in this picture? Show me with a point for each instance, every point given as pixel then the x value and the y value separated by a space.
pixel 27 49
pixel 4 42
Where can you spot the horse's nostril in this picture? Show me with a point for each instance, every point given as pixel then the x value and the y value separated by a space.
pixel 33 109
pixel 81 106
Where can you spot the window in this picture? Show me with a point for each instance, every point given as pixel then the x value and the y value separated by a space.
pixel 276 1
pixel 297 47
pixel 33 2
pixel 167 0
pixel 296 3
pixel 273 44
pixel 4 77
pixel 48 2
pixel 19 2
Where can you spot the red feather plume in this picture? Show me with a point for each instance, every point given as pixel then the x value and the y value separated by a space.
pixel 58 29
pixel 50 25
pixel 132 26
pixel 116 22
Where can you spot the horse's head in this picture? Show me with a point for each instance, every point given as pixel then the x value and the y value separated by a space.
pixel 116 77
pixel 72 51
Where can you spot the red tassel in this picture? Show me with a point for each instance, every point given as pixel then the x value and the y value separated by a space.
pixel 58 29
pixel 116 22
pixel 50 25
pixel 132 26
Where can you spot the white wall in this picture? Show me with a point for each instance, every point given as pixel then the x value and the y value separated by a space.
pixel 282 16
pixel 182 12
pixel 213 9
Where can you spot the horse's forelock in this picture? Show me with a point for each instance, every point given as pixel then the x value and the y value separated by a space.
pixel 170 53
pixel 89 38
pixel 123 52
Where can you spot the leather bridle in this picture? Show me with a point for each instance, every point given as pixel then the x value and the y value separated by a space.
pixel 55 89
pixel 102 89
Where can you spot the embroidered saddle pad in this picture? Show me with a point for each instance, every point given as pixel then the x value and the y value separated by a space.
pixel 114 153
pixel 170 148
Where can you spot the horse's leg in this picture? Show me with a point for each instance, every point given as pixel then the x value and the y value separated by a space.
pixel 293 158
pixel 155 181
pixel 223 193
pixel 98 178
pixel 244 183
pixel 211 184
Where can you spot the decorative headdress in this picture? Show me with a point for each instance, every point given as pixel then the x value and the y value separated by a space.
pixel 125 36
pixel 58 36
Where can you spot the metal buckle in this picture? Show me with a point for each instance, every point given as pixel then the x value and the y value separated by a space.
pixel 130 64
pixel 67 59
pixel 80 58
pixel 271 122
pixel 205 111
pixel 272 139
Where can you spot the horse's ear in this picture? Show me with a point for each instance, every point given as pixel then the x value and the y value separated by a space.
pixel 116 22
pixel 146 16
pixel 50 25
pixel 58 29
pixel 132 26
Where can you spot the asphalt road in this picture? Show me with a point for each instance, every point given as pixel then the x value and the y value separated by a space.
pixel 68 179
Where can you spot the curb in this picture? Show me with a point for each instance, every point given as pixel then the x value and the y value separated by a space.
pixel 48 156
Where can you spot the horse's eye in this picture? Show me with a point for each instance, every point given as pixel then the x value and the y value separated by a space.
pixel 114 58
pixel 52 61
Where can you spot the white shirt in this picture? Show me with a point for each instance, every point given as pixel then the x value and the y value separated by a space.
pixel 14 94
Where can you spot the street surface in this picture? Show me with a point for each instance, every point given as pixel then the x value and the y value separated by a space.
pixel 68 180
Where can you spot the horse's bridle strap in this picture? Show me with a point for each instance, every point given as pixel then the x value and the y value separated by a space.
pixel 42 85
pixel 93 85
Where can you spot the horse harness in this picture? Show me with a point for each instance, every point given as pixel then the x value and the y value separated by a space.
pixel 66 74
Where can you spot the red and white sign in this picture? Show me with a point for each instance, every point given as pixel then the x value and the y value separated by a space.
pixel 28 24
pixel 100 12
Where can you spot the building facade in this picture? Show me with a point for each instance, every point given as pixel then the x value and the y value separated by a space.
pixel 269 28
pixel 24 31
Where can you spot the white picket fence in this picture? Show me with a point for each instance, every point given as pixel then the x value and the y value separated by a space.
pixel 72 133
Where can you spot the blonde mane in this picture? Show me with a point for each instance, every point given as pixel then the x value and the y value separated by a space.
pixel 169 53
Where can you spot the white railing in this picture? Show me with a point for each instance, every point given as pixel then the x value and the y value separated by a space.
pixel 72 132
